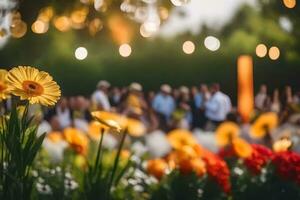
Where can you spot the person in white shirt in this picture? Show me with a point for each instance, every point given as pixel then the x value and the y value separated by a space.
pixel 218 106
pixel 99 98
pixel 261 98
pixel 63 113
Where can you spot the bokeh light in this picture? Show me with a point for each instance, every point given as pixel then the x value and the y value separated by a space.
pixel 144 32
pixel 39 27
pixel 125 50
pixel 62 23
pixel 212 43
pixel 188 47
pixel 18 28
pixel 81 53
pixel 290 3
pixel 274 53
pixel 261 50
pixel 180 2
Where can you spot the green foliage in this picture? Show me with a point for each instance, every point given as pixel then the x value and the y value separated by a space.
pixel 99 180
pixel 19 147
pixel 177 186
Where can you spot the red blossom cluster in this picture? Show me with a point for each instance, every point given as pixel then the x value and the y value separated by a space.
pixel 218 170
pixel 260 156
pixel 287 165
pixel 227 153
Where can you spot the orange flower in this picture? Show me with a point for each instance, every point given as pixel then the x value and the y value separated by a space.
pixel 95 129
pixel 264 124
pixel 242 148
pixel 55 136
pixel 226 132
pixel 180 137
pixel 157 168
pixel 125 154
pixel 77 140
pixel 135 127
pixel 282 145
pixel 198 166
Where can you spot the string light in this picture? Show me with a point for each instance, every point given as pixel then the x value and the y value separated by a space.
pixel 125 50
pixel 212 43
pixel 274 53
pixel 188 47
pixel 81 53
pixel 290 3
pixel 39 27
pixel 261 50
pixel 62 23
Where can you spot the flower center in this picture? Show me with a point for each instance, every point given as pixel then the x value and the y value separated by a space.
pixel 2 86
pixel 32 88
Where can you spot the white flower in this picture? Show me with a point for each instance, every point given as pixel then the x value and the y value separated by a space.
pixel 138 148
pixel 157 144
pixel 55 149
pixel 70 184
pixel 206 139
pixel 43 188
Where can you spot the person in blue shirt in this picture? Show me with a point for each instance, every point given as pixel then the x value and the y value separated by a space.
pixel 164 105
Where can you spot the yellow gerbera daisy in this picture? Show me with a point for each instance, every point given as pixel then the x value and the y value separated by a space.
pixel 112 120
pixel 180 137
pixel 264 124
pixel 226 132
pixel 31 84
pixel 4 93
pixel 242 148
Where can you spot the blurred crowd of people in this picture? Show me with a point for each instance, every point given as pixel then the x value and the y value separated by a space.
pixel 203 107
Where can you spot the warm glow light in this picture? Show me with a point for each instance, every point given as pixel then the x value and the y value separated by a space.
pixel 290 3
pixel 245 87
pixel 212 43
pixel 180 2
pixel 18 28
pixel 81 53
pixel 261 50
pixel 95 26
pixel 62 23
pixel 121 30
pixel 125 50
pixel 39 27
pixel 188 47
pixel 164 13
pixel 274 53
pixel 144 32
pixel 46 14
pixel 78 17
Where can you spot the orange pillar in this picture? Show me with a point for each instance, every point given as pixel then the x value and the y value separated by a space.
pixel 245 87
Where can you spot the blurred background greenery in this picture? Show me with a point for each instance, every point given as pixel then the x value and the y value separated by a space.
pixel 161 60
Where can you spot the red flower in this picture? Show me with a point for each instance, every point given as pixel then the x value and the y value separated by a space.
pixel 227 152
pixel 260 156
pixel 288 165
pixel 218 170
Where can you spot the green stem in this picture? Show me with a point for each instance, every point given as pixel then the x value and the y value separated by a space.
pixel 116 162
pixel 99 150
